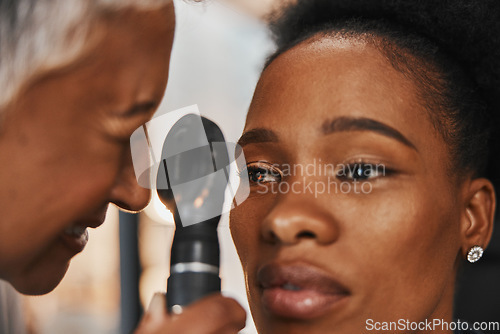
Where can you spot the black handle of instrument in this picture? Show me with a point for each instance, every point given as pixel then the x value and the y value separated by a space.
pixel 194 263
pixel 193 183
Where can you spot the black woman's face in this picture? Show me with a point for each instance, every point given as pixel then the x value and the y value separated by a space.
pixel 352 217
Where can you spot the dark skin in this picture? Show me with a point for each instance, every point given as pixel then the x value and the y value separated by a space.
pixel 396 249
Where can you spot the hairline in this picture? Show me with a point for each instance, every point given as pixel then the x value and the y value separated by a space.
pixel 422 73
pixel 43 47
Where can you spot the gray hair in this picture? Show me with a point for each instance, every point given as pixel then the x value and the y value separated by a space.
pixel 37 36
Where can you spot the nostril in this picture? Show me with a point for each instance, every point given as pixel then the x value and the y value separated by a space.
pixel 306 235
pixel 131 203
pixel 271 237
pixel 122 205
pixel 292 223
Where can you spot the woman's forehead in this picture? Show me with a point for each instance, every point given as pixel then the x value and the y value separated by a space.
pixel 315 83
pixel 327 76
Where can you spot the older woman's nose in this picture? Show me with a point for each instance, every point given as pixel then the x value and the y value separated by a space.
pixel 127 193
pixel 291 222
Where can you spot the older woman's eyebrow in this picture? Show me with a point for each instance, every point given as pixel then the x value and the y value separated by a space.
pixel 364 124
pixel 258 135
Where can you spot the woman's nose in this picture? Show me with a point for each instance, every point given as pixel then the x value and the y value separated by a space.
pixel 127 193
pixel 291 222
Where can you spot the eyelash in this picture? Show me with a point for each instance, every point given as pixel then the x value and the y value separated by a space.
pixel 252 168
pixel 355 171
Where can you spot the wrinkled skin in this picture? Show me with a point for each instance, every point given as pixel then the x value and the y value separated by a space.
pixel 65 144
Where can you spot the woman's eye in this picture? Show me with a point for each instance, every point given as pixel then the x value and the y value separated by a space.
pixel 263 173
pixel 360 172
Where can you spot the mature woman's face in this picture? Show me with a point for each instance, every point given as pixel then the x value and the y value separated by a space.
pixel 64 147
pixel 367 226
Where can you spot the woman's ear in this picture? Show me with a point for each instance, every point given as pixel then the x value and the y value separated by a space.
pixel 478 217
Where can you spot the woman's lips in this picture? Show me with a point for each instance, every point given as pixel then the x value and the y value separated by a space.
pixel 75 238
pixel 299 291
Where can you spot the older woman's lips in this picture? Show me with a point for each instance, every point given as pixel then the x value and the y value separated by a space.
pixel 299 291
pixel 76 236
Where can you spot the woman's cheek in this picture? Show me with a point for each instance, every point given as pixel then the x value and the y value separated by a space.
pixel 237 226
pixel 88 195
pixel 244 225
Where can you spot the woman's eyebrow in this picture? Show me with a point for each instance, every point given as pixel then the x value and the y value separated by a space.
pixel 258 135
pixel 341 124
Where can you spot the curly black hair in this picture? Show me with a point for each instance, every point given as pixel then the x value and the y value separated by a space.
pixel 450 48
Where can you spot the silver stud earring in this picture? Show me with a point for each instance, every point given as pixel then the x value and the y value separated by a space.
pixel 474 254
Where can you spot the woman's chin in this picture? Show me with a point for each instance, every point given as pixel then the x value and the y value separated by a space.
pixel 40 279
pixel 44 274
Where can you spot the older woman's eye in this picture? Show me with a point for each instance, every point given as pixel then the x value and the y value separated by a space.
pixel 259 173
pixel 360 171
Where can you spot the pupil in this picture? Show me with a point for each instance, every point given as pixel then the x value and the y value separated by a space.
pixel 362 172
pixel 257 176
pixel 359 173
